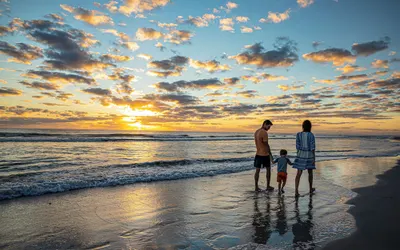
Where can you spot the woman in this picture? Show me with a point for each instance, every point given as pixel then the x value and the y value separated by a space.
pixel 305 145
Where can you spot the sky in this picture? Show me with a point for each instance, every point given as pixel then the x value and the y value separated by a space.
pixel 211 65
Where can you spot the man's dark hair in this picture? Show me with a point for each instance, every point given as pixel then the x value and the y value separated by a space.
pixel 307 126
pixel 267 122
pixel 283 152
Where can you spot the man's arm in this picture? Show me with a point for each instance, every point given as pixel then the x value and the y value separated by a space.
pixel 265 140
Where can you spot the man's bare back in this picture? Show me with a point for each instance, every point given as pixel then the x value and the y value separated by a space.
pixel 261 140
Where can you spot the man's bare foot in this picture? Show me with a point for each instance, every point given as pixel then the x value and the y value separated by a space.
pixel 283 191
pixel 270 188
pixel 296 194
pixel 312 190
pixel 258 189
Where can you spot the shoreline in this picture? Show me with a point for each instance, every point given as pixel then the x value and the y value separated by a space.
pixel 376 211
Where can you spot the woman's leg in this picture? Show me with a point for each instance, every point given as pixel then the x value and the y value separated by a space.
pixel 297 181
pixel 310 180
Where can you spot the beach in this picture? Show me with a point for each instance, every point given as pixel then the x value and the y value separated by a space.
pixel 216 212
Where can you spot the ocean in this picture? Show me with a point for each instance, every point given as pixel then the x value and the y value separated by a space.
pixel 36 162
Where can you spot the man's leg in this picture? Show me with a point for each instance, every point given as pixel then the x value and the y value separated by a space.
pixel 310 180
pixel 256 177
pixel 297 181
pixel 269 179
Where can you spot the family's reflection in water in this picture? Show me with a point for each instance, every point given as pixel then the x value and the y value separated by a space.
pixel 262 220
pixel 302 229
pixel 281 222
pixel 302 224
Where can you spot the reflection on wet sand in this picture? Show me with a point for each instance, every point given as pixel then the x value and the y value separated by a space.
pixel 302 229
pixel 262 221
pixel 281 222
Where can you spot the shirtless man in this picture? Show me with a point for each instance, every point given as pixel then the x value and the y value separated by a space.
pixel 263 157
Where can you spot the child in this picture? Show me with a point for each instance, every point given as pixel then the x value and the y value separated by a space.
pixel 282 170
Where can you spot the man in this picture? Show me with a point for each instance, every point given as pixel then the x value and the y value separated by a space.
pixel 263 156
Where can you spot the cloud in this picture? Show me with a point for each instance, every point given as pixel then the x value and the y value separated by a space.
pixel 212 83
pixel 263 77
pixel 40 85
pixel 315 44
pixel 211 66
pixel 178 36
pixel 226 24
pixel 25 53
pixel 130 45
pixel 3 81
pixel 232 81
pixel 197 21
pixel 380 64
pixel 396 74
pixel 393 84
pixel 181 99
pixel 58 77
pixel 276 17
pixel 146 57
pixel 242 19
pixel 111 6
pixel 164 74
pixel 4 30
pixel 55 17
pixel 245 29
pixel 282 56
pixel 247 93
pixel 4 91
pixel 305 3
pixel 369 48
pixel 172 67
pixel 53 104
pixel 167 25
pixel 231 5
pixel 240 109
pixel 327 81
pixel 143 34
pixel 140 6
pixel 351 77
pixel 381 72
pixel 336 56
pixel 172 64
pixel 121 35
pixel 91 17
pixel 160 46
pixel 67 49
pixel 290 87
pixel 98 91
pixel 355 96
pixel 115 58
pixel 350 69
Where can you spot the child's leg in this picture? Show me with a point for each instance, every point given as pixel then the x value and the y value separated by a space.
pixel 279 185
pixel 284 183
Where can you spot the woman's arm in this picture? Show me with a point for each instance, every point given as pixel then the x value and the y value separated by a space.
pixel 298 143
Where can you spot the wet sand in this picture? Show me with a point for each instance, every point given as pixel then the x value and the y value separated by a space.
pixel 377 213
pixel 203 213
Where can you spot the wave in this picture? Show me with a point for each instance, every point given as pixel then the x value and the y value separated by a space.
pixel 37 182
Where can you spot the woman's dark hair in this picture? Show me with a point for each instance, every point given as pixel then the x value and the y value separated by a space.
pixel 307 126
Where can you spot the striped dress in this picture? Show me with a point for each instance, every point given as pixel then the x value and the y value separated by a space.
pixel 305 143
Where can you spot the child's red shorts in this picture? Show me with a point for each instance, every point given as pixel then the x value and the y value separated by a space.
pixel 281 176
